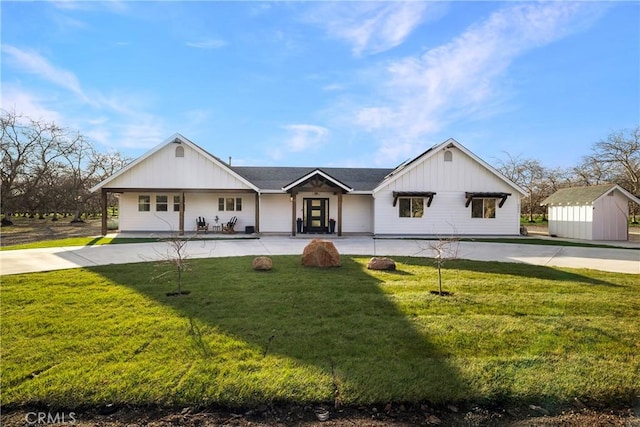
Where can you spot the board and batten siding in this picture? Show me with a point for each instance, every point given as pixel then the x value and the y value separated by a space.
pixel 447 214
pixel 164 170
pixel 571 221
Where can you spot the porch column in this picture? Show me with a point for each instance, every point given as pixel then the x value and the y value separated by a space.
pixel 181 216
pixel 257 212
pixel 293 213
pixel 103 202
pixel 340 213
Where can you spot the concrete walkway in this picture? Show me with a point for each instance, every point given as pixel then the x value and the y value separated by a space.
pixel 45 259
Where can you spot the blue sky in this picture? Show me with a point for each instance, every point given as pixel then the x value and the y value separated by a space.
pixel 328 83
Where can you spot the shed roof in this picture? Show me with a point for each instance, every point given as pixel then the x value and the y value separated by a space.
pixel 583 195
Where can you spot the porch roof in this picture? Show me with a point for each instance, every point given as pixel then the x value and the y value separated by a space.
pixel 275 178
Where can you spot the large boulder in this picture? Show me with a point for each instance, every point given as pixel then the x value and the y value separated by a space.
pixel 262 263
pixel 320 253
pixel 381 263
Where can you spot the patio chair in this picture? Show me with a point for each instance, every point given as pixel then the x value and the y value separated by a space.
pixel 228 227
pixel 202 225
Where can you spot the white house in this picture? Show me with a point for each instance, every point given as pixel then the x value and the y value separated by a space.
pixel 445 190
pixel 598 212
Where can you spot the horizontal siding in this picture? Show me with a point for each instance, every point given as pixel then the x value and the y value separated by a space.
pixel 164 170
pixel 275 213
pixel 357 214
pixel 196 205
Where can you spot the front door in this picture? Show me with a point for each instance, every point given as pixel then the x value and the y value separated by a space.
pixel 316 215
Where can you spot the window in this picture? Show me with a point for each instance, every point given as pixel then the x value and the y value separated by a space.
pixel 230 204
pixel 179 151
pixel 176 203
pixel 448 156
pixel 483 208
pixel 161 203
pixel 411 207
pixel 144 203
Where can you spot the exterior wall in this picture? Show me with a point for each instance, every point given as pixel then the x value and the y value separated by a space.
pixel 447 214
pixel 196 204
pixel 164 170
pixel 357 214
pixel 132 220
pixel 575 222
pixel 275 213
pixel 611 217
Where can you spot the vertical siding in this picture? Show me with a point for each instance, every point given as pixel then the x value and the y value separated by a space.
pixel 164 170
pixel 611 217
pixel 447 214
pixel 575 222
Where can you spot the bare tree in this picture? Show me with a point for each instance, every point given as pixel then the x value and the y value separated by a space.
pixel 444 249
pixel 528 174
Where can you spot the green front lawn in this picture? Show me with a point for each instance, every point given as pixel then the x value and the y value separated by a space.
pixel 509 333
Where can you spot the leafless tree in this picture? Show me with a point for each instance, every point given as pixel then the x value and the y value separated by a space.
pixel 528 174
pixel 444 249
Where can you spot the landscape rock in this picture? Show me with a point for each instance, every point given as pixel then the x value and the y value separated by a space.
pixel 381 263
pixel 320 253
pixel 262 263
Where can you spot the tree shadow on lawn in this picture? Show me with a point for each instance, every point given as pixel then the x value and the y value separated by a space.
pixel 337 321
pixel 524 270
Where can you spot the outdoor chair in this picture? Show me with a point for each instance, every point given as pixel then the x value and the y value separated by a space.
pixel 202 225
pixel 228 227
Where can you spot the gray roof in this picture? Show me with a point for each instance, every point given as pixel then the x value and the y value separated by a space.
pixel 274 178
pixel 578 195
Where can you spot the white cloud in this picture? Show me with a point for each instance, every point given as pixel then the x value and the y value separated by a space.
pixel 26 103
pixel 33 63
pixel 208 44
pixel 464 77
pixel 371 27
pixel 305 136
pixel 114 120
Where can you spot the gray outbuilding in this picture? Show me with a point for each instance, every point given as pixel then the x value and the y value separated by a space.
pixel 598 212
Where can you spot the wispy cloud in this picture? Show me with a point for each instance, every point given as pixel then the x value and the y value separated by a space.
pixel 464 77
pixel 208 44
pixel 370 27
pixel 111 120
pixel 304 136
pixel 33 63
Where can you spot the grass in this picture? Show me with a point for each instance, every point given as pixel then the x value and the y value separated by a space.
pixel 509 333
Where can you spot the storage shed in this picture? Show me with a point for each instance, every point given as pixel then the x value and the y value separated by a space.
pixel 598 212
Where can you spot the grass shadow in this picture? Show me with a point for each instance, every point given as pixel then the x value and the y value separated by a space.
pixel 526 271
pixel 339 323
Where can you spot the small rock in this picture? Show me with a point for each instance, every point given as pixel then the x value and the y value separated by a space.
pixel 434 420
pixel 321 414
pixel 579 404
pixel 381 263
pixel 262 263
pixel 452 408
pixel 539 409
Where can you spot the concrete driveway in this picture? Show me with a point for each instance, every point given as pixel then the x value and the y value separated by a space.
pixel 605 259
